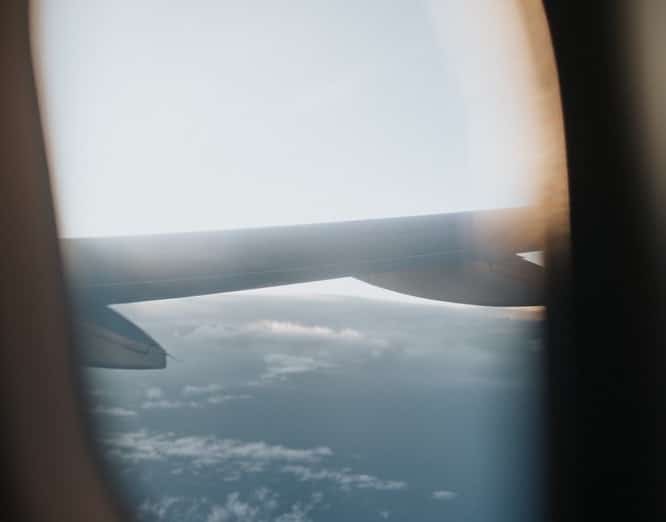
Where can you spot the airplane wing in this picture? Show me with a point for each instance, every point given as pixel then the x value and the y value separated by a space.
pixel 467 257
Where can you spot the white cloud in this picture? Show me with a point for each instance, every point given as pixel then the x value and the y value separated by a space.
pixel 299 511
pixel 344 478
pixel 293 329
pixel 207 331
pixel 234 509
pixel 164 404
pixel 444 494
pixel 154 393
pixel 208 450
pixel 272 329
pixel 219 399
pixel 114 411
pixel 193 390
pixel 199 396
pixel 159 508
pixel 174 508
pixel 280 365
pixel 261 507
pixel 267 498
pixel 217 514
pixel 232 458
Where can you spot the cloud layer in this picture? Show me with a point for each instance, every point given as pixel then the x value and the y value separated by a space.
pixel 334 393
pixel 232 458
pixel 261 505
pixel 344 478
pixel 205 450
pixel 279 366
pixel 114 411
pixel 444 494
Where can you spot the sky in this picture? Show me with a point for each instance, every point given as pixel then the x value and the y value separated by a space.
pixel 167 116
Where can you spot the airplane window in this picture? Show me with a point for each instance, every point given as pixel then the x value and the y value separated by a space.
pixel 303 242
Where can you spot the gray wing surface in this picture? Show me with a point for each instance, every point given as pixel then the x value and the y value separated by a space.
pixel 446 247
pixel 467 257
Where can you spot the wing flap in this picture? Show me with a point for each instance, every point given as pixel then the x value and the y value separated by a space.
pixel 106 339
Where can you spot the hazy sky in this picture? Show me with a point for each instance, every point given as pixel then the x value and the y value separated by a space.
pixel 225 114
